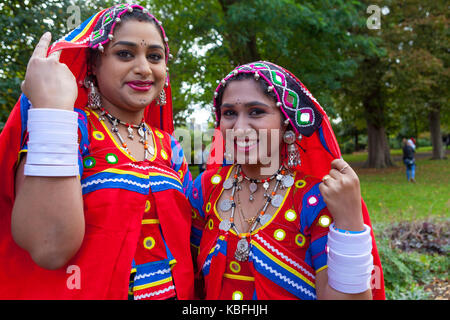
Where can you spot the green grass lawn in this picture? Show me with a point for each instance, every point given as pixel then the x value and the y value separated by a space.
pixel 390 197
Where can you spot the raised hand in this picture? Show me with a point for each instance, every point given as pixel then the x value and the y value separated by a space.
pixel 48 82
pixel 341 192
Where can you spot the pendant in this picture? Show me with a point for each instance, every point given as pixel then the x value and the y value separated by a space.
pixel 228 184
pixel 225 205
pixel 242 250
pixel 130 133
pixel 277 200
pixel 265 218
pixel 225 225
pixel 288 181
pixel 253 187
pixel 251 197
pixel 266 185
pixel 141 132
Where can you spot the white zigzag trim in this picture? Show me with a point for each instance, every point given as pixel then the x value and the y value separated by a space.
pixel 208 262
pixel 145 275
pixel 282 255
pixel 98 181
pixel 282 277
pixel 155 183
pixel 153 167
pixel 151 294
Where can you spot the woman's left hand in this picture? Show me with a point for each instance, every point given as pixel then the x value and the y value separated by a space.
pixel 341 192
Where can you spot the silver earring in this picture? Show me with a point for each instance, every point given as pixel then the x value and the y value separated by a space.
pixel 162 98
pixel 293 154
pixel 94 100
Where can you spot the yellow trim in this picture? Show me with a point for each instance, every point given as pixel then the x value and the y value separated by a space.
pixel 208 207
pixel 82 33
pixel 154 144
pixel 153 284
pixel 119 147
pixel 18 155
pixel 264 226
pixel 238 277
pixel 158 174
pixel 282 264
pixel 150 221
pixel 119 171
pixel 321 269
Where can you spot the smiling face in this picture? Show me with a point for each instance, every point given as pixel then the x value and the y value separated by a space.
pixel 132 70
pixel 250 121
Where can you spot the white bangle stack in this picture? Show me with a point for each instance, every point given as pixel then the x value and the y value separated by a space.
pixel 52 143
pixel 350 261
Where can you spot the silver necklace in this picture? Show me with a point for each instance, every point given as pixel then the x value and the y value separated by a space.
pixel 243 249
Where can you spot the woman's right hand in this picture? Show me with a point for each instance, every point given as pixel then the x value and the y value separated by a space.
pixel 48 82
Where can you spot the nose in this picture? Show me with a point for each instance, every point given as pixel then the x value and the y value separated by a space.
pixel 242 127
pixel 142 66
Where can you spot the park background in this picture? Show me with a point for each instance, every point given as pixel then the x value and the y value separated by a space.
pixel 380 69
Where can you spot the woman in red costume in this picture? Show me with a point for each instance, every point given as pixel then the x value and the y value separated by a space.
pixel 93 189
pixel 283 217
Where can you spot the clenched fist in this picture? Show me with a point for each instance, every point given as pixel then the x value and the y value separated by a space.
pixel 341 192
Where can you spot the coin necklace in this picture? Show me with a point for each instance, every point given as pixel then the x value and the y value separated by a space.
pixel 242 249
pixel 142 130
pixel 253 186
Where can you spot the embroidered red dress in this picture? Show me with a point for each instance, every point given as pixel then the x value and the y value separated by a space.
pixel 285 254
pixel 137 221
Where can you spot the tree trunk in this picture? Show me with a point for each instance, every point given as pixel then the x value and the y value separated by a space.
pixel 378 146
pixel 435 130
pixel 242 49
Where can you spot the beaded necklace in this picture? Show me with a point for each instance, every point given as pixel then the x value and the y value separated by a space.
pixel 282 179
pixel 142 130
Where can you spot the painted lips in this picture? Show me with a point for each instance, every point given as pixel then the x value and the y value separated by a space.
pixel 245 146
pixel 140 85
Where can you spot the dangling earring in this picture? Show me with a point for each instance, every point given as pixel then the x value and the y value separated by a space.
pixel 94 100
pixel 162 98
pixel 293 154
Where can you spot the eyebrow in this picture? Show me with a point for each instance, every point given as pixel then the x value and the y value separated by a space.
pixel 247 105
pixel 132 44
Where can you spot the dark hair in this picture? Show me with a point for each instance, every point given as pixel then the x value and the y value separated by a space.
pixel 244 76
pixel 138 15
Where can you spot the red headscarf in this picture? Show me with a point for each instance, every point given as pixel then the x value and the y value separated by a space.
pixel 89 35
pixel 318 144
